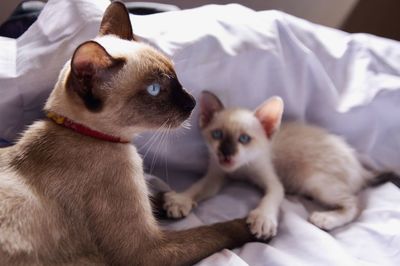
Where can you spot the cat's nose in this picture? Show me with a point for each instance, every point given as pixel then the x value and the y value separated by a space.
pixel 190 103
pixel 183 100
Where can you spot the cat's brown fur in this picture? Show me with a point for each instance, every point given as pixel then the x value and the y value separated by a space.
pixel 71 199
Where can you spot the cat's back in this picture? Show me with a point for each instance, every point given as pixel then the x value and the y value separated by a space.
pixel 21 212
pixel 301 151
pixel 33 227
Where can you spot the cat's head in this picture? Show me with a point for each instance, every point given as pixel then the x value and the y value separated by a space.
pixel 237 136
pixel 118 85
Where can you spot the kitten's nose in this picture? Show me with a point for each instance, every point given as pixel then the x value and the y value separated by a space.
pixel 227 147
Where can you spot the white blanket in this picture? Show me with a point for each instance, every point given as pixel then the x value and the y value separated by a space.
pixel 349 84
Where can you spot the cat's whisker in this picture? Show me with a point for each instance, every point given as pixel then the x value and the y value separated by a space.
pixel 157 135
pixel 149 141
pixel 165 150
pixel 172 132
pixel 163 133
pixel 153 136
pixel 155 152
pixel 181 131
pixel 154 140
pixel 157 149
pixel 186 124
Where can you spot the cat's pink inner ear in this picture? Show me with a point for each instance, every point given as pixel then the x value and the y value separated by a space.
pixel 209 105
pixel 90 57
pixel 116 21
pixel 270 115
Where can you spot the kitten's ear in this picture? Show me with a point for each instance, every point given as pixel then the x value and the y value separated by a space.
pixel 116 21
pixel 90 66
pixel 269 113
pixel 209 104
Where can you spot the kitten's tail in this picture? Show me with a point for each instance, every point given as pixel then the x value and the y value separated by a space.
pixel 380 178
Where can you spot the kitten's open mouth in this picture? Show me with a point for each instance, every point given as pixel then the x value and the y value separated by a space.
pixel 226 161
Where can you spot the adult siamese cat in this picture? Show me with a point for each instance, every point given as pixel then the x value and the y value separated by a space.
pixel 72 190
pixel 291 157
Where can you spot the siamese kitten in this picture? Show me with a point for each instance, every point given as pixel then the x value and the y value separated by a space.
pixel 294 157
pixel 72 190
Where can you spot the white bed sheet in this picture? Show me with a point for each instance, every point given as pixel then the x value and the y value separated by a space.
pixel 349 84
pixel 373 239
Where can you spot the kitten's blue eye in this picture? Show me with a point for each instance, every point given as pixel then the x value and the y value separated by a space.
pixel 217 134
pixel 154 89
pixel 244 138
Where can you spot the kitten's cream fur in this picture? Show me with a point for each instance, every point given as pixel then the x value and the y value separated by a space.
pixel 294 157
pixel 71 199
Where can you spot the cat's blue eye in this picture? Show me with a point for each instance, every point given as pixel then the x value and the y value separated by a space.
pixel 217 134
pixel 244 138
pixel 154 89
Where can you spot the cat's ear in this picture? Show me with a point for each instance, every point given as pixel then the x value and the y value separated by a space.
pixel 116 21
pixel 269 113
pixel 209 105
pixel 90 66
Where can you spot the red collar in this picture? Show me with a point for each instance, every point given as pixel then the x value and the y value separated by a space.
pixel 66 122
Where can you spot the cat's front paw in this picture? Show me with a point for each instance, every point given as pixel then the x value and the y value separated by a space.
pixel 262 225
pixel 177 205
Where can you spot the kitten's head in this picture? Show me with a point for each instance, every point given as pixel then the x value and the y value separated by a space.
pixel 118 85
pixel 236 136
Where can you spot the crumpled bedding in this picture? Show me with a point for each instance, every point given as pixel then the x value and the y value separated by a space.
pixel 347 83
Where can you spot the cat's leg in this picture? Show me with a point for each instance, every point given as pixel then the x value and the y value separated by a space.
pixel 263 220
pixel 127 234
pixel 334 194
pixel 192 245
pixel 179 205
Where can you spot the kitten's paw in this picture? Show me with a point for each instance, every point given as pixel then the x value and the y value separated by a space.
pixel 177 205
pixel 262 225
pixel 324 220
